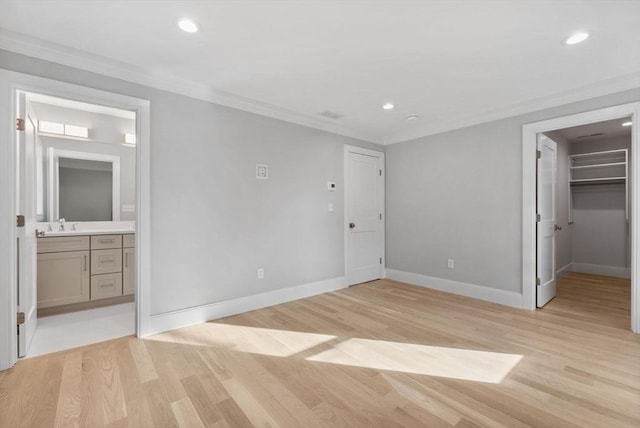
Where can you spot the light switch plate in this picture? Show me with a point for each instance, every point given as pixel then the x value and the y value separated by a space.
pixel 262 171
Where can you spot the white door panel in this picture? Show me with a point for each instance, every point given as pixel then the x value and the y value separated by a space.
pixel 546 207
pixel 26 236
pixel 364 206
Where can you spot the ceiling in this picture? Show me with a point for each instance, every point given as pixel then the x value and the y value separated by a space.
pixel 452 63
pixel 596 131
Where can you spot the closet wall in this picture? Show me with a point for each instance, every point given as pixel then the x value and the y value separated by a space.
pixel 600 232
pixel 598 239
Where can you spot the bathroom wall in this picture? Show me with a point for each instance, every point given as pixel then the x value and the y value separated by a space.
pixel 106 135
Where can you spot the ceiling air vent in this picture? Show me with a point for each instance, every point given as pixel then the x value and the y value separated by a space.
pixel 330 114
pixel 590 135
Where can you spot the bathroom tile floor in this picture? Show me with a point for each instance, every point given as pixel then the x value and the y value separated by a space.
pixel 65 331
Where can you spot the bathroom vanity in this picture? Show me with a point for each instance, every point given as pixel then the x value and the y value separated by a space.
pixel 80 269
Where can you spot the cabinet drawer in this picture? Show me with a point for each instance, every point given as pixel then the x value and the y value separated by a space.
pixel 102 242
pixel 106 261
pixel 56 244
pixel 107 285
pixel 129 240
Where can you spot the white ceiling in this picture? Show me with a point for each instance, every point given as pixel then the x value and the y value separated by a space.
pixel 453 63
pixel 607 129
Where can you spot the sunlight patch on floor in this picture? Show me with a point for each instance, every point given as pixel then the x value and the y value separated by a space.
pixel 263 341
pixel 455 363
pixel 465 364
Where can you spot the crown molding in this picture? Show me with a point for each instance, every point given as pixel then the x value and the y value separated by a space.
pixel 44 50
pixel 605 87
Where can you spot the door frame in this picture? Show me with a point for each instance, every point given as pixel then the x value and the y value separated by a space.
pixel 368 152
pixel 529 136
pixel 10 83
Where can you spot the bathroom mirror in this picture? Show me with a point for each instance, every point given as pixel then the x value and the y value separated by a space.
pixel 83 186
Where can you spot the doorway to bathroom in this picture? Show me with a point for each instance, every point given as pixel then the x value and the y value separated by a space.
pixel 75 209
pixel 77 172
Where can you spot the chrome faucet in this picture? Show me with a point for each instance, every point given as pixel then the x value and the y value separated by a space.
pixel 61 229
pixel 74 226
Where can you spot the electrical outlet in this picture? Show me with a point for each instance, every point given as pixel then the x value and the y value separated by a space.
pixel 450 264
pixel 330 207
pixel 260 273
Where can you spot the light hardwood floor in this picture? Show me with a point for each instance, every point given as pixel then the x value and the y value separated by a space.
pixel 378 354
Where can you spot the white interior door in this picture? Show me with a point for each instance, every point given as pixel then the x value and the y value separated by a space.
pixel 364 204
pixel 546 207
pixel 26 236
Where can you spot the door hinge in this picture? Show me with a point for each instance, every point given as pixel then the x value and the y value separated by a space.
pixel 380 260
pixel 20 318
pixel 538 154
pixel 381 172
pixel 538 218
pixel 537 281
pixel 380 216
pixel 20 220
pixel 20 124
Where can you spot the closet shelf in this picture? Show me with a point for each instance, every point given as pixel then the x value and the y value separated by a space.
pixel 603 180
pixel 600 165
pixel 597 168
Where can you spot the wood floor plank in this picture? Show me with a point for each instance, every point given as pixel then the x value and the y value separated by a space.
pixel 381 354
pixel 69 401
pixel 186 414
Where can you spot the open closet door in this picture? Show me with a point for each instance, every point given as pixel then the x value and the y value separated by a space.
pixel 546 221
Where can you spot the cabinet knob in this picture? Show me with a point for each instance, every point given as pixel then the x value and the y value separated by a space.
pixel 352 225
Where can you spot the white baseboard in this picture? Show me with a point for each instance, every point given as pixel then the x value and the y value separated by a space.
pixel 195 315
pixel 617 271
pixel 508 298
pixel 564 270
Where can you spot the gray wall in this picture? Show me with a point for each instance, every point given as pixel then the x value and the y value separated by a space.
pixel 212 223
pixel 459 195
pixel 106 135
pixel 601 234
pixel 564 247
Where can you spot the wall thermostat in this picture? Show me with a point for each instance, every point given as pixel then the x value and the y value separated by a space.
pixel 262 171
pixel 331 186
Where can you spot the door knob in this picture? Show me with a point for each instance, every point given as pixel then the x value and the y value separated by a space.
pixel 352 225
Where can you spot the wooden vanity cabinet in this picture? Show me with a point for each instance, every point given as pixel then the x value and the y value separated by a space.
pixel 63 271
pixel 76 269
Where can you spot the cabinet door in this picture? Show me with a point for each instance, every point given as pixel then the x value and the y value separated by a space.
pixel 106 261
pixel 128 271
pixel 63 278
pixel 105 286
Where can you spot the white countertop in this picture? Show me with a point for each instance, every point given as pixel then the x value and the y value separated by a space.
pixel 88 232
pixel 87 228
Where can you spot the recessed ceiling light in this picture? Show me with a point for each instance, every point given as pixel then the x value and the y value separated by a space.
pixel 388 106
pixel 577 38
pixel 188 26
pixel 412 117
pixel 627 123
